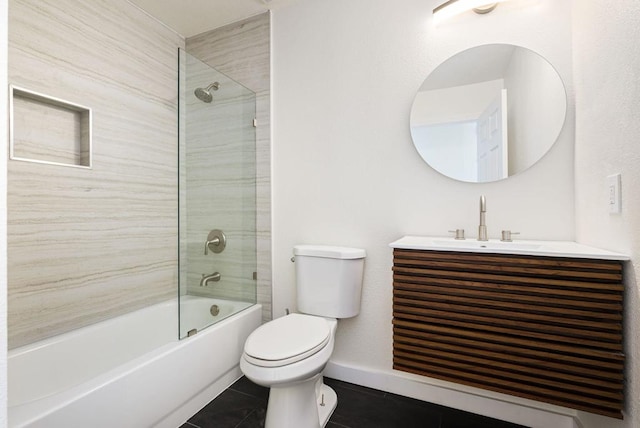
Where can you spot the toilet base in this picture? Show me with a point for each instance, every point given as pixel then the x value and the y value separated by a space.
pixel 327 401
pixel 305 404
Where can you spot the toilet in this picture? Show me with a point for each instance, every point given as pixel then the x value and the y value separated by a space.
pixel 289 353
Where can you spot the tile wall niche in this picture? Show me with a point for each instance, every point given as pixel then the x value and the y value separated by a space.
pixel 88 244
pixel 242 52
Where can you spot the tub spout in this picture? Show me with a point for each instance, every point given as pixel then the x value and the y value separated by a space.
pixel 206 278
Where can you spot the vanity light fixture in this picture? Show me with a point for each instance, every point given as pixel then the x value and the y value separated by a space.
pixel 452 8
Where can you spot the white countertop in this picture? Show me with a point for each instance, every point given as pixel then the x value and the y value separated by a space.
pixel 532 248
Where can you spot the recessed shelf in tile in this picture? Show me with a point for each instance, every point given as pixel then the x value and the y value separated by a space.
pixel 49 130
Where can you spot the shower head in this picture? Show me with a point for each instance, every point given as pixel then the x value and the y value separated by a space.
pixel 204 94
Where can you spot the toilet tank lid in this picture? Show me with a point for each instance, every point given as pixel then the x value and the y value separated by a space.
pixel 328 251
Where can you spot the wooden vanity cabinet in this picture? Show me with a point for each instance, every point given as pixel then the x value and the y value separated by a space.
pixel 542 328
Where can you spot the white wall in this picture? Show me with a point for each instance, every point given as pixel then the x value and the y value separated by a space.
pixel 449 148
pixel 607 72
pixel 345 169
pixel 454 104
pixel 537 105
pixel 3 211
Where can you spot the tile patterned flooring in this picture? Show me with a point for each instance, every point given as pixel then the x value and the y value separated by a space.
pixel 243 405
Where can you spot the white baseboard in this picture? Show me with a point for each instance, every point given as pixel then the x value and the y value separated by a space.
pixel 499 406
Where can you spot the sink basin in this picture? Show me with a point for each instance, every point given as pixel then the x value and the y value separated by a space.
pixel 489 245
pixel 533 248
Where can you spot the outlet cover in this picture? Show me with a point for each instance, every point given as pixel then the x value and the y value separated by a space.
pixel 613 191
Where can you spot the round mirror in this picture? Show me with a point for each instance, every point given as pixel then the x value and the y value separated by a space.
pixel 488 113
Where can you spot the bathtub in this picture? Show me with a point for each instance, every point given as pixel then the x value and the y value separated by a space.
pixel 121 373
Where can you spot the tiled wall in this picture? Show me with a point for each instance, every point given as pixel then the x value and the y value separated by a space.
pixel 242 51
pixel 88 244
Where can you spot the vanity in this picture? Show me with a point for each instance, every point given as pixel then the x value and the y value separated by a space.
pixel 540 320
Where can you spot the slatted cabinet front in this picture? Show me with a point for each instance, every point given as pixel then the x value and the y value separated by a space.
pixel 543 328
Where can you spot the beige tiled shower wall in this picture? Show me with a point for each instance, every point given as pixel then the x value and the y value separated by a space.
pixel 88 244
pixel 242 52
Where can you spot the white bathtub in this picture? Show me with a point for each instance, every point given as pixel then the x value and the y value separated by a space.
pixel 121 373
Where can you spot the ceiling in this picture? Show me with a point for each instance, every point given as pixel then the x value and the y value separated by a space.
pixel 191 17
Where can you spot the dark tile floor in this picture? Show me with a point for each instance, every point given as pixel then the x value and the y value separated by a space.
pixel 243 405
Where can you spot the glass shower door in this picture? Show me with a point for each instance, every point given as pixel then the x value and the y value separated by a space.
pixel 217 182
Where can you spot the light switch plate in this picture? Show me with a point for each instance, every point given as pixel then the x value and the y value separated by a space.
pixel 613 191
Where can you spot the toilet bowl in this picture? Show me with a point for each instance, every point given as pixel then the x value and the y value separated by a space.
pixel 289 353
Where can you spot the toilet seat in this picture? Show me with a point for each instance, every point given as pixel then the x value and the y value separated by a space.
pixel 287 340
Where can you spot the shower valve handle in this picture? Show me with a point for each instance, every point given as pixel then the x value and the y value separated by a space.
pixel 216 242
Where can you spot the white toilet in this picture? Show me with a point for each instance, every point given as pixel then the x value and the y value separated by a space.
pixel 289 353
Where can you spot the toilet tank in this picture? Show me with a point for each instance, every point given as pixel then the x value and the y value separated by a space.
pixel 329 280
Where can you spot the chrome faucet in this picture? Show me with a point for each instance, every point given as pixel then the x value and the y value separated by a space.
pixel 482 229
pixel 206 278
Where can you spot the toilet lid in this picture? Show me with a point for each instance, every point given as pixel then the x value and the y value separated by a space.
pixel 286 340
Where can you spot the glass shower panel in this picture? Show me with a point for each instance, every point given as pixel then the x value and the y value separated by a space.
pixel 217 181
